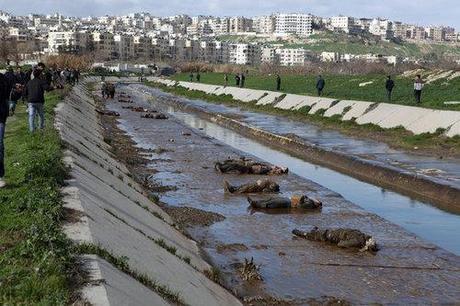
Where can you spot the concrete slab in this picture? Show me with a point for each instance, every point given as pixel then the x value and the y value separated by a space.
pixel 434 120
pixel 404 116
pixel 269 98
pixel 358 108
pixel 375 116
pixel 308 101
pixel 109 286
pixel 454 130
pixel 291 101
pixel 323 103
pixel 339 108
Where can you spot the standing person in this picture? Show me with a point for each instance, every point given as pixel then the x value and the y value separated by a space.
pixel 418 86
pixel 77 76
pixel 226 80
pixel 278 82
pixel 320 83
pixel 237 80
pixel 198 77
pixel 15 95
pixel 389 85
pixel 3 115
pixel 243 80
pixel 190 77
pixel 10 77
pixel 110 90
pixel 104 90
pixel 35 93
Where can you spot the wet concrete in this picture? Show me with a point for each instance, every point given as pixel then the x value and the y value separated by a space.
pixel 406 270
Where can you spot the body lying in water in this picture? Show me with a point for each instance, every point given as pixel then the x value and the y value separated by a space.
pixel 343 237
pixel 302 202
pixel 261 186
pixel 246 166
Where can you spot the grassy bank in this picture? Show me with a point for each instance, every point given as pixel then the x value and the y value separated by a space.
pixel 434 144
pixel 36 259
pixel 346 87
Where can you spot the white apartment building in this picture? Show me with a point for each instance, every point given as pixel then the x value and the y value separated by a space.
pixel 298 24
pixel 382 28
pixel 264 24
pixel 291 57
pixel 69 40
pixel 341 23
pixel 20 34
pixel 244 54
pixel 268 56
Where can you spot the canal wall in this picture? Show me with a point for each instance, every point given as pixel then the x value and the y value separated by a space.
pixel 414 119
pixel 111 215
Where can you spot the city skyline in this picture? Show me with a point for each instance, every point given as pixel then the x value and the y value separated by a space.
pixel 415 13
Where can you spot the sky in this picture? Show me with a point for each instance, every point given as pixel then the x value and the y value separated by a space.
pixel 421 12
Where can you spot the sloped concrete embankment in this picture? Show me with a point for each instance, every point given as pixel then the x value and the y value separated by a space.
pixel 422 187
pixel 113 215
pixel 414 119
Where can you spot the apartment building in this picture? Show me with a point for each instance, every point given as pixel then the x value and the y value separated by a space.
pixel 104 44
pixel 297 24
pixel 264 24
pixel 20 34
pixel 291 57
pixel 240 24
pixel 72 41
pixel 123 46
pixel 244 54
pixel 382 28
pixel 341 23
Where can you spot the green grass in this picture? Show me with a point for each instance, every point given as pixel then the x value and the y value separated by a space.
pixel 346 87
pixel 36 259
pixel 435 143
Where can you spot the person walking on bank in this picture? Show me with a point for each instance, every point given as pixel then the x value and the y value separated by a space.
pixel 190 77
pixel 243 80
pixel 34 91
pixel 198 77
pixel 320 83
pixel 389 85
pixel 226 80
pixel 4 87
pixel 15 95
pixel 237 80
pixel 278 82
pixel 418 86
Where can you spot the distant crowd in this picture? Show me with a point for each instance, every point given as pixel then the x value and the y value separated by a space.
pixel 240 80
pixel 29 86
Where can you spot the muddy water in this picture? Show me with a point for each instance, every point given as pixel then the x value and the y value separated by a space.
pixel 406 270
pixel 423 219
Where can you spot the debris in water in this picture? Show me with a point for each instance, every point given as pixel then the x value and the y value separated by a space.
pixel 250 271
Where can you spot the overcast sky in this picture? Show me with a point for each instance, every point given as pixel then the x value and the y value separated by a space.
pixel 422 12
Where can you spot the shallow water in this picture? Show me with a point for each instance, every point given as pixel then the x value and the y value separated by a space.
pixel 423 219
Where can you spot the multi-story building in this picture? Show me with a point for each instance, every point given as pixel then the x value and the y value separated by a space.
pixel 103 45
pixel 297 24
pixel 240 24
pixel 264 24
pixel 419 33
pixel 70 41
pixel 269 56
pixel 143 48
pixel 124 46
pixel 20 34
pixel 382 28
pixel 342 23
pixel 244 54
pixel 291 57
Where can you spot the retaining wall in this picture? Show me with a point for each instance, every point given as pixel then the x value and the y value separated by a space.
pixel 415 119
pixel 114 214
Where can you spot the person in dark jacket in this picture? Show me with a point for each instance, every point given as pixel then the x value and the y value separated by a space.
pixel 278 82
pixel 10 77
pixel 389 85
pixel 320 83
pixel 198 77
pixel 237 80
pixel 242 80
pixel 15 95
pixel 34 91
pixel 4 87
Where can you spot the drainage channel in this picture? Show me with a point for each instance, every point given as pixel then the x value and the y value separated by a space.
pixel 427 221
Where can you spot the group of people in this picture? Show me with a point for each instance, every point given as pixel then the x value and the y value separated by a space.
pixel 107 89
pixel 30 87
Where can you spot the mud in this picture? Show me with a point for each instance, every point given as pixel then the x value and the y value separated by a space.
pixel 406 270
pixel 229 248
pixel 189 216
